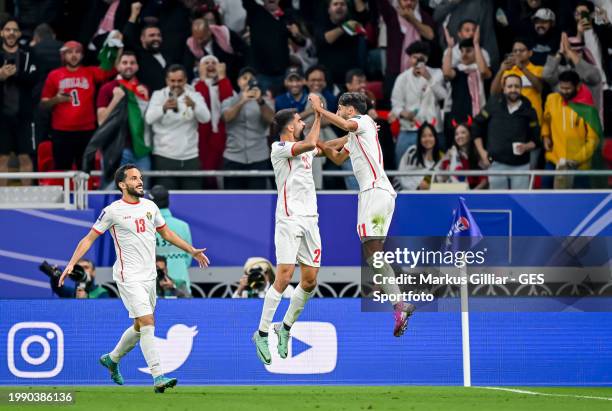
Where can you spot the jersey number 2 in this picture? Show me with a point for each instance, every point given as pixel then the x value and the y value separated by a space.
pixel 317 256
pixel 140 225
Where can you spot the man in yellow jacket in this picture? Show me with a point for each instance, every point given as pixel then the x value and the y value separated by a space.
pixel 570 129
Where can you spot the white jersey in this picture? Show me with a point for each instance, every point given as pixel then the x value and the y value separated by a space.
pixel 296 188
pixel 366 155
pixel 133 227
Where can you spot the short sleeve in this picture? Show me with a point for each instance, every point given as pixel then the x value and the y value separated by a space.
pixel 283 149
pixel 104 221
pixel 159 221
pixel 361 124
pixel 227 104
pixel 50 88
pixel 105 96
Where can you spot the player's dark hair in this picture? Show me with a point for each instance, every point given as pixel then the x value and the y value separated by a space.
pixel 121 174
pixel 356 100
pixel 420 47
pixel 173 68
pixel 420 150
pixel 281 119
pixel 356 72
pixel 570 76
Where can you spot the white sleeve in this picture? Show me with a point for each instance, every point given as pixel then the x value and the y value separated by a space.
pixel 158 219
pixel 155 110
pixel 282 149
pixel 361 124
pixel 104 221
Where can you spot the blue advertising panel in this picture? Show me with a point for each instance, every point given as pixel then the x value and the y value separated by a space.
pixel 54 342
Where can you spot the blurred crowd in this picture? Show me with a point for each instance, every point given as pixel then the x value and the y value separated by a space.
pixel 190 85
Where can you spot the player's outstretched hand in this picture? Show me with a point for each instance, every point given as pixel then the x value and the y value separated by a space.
pixel 67 271
pixel 200 257
pixel 315 101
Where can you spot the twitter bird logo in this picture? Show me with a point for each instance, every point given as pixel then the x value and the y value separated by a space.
pixel 175 348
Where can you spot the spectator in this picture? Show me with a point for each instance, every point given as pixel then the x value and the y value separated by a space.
pixel 166 288
pixel 270 35
pixel 461 12
pixel 247 117
pixel 151 58
pixel 316 81
pixel 544 36
pixel 46 54
pixel 509 126
pixel 177 261
pixel 406 23
pixel 463 156
pixel 572 56
pixel 531 75
pixel 467 31
pixel 214 87
pixel 571 129
pixel 213 40
pixel 415 97
pixel 17 77
pixel 595 30
pixel 69 92
pixel 174 113
pixel 305 53
pixel 340 40
pixel 87 289
pixel 258 276
pixel 467 96
pixel 296 96
pixel 135 149
pixel 424 155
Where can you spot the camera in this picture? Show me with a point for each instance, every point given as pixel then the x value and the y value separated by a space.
pixel 256 278
pixel 160 274
pixel 253 84
pixel 78 274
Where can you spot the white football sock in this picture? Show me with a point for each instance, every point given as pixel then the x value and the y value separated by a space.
pixel 271 302
pixel 387 272
pixel 147 345
pixel 296 306
pixel 127 341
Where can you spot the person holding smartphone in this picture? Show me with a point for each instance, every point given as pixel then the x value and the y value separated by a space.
pixel 17 77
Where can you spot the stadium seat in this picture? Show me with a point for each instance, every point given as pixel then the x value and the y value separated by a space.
pixel 46 164
pixel 607 156
pixel 376 88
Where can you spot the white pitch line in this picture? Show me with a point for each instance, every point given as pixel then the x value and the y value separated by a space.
pixel 546 394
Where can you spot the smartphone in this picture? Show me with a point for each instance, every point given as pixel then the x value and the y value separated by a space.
pixel 253 84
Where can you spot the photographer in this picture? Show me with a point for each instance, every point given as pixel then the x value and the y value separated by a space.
pixel 165 286
pixel 257 278
pixel 247 117
pixel 84 277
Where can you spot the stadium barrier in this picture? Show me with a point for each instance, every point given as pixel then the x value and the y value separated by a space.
pixel 51 342
pixel 72 196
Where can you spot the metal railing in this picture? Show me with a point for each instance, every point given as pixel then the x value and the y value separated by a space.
pixel 391 173
pixel 74 198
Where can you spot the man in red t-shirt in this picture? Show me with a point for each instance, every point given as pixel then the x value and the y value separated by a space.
pixel 69 92
pixel 111 94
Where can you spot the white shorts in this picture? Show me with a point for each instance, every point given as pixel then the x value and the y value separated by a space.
pixel 139 297
pixel 374 213
pixel 298 240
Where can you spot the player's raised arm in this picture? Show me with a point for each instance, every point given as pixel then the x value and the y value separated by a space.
pixel 197 253
pixel 310 142
pixel 336 120
pixel 82 248
pixel 337 157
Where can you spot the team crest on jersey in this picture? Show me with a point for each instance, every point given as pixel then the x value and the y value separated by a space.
pixel 149 215
pixel 282 143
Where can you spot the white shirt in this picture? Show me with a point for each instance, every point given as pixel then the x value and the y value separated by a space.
pixel 133 227
pixel 366 155
pixel 175 134
pixel 296 189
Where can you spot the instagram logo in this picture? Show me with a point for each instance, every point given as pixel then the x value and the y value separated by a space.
pixel 35 350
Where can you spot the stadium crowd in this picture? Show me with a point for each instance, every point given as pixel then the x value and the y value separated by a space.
pixel 194 85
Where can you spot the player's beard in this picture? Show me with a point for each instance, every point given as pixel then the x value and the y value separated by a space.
pixel 133 191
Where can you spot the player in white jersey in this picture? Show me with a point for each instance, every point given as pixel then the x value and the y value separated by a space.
pixel 376 194
pixel 296 234
pixel 133 222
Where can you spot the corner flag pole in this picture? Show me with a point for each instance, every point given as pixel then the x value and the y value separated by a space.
pixel 464 225
pixel 465 332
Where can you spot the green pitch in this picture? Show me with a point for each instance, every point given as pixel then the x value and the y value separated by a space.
pixel 297 398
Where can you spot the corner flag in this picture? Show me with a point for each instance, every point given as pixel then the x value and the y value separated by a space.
pixel 463 225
